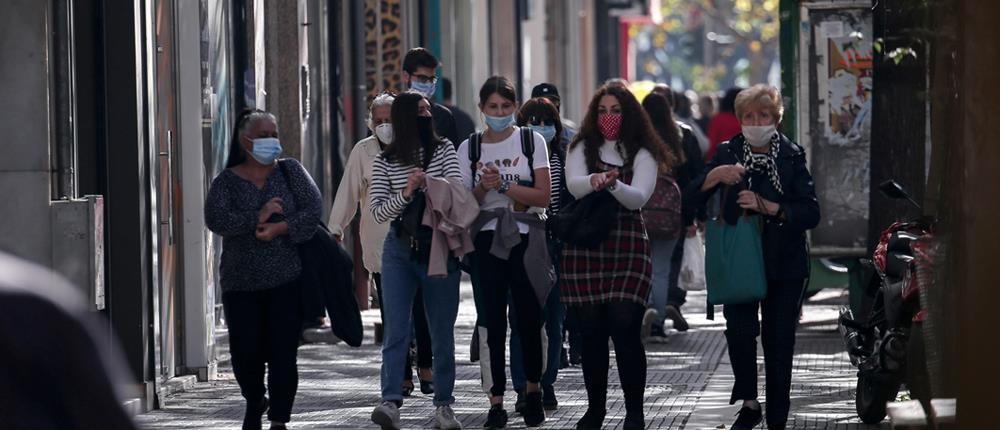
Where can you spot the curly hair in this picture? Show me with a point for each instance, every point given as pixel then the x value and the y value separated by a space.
pixel 636 131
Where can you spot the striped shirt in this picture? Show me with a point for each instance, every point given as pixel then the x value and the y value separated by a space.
pixel 556 175
pixel 389 180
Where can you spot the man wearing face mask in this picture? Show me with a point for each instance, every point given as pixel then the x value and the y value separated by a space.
pixel 419 74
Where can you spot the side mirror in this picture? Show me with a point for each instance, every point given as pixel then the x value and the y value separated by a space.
pixel 893 190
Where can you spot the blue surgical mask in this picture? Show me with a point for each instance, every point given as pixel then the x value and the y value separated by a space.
pixel 266 150
pixel 425 89
pixel 547 131
pixel 499 123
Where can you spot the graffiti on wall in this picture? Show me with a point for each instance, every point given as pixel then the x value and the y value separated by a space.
pixel 383 46
pixel 849 88
pixel 840 81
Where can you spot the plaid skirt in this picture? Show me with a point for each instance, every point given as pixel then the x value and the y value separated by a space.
pixel 619 269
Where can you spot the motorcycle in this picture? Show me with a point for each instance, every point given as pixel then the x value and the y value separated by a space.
pixel 887 345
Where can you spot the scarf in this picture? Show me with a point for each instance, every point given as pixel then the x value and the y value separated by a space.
pixel 763 163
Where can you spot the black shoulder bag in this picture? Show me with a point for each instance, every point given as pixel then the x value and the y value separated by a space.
pixel 409 224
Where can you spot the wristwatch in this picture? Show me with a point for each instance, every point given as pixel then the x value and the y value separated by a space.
pixel 504 187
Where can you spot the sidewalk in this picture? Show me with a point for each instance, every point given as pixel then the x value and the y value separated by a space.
pixel 688 383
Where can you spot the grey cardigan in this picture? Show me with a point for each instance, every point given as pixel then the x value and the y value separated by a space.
pixel 537 263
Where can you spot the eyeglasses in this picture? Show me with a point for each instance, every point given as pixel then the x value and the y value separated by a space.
pixel 424 79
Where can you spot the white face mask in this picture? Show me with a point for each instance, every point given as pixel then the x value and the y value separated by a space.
pixel 759 135
pixel 384 133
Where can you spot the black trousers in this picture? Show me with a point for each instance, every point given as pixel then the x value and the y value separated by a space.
pixel 780 312
pixel 496 278
pixel 622 322
pixel 676 296
pixel 425 358
pixel 264 328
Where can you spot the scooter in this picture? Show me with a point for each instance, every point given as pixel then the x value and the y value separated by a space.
pixel 887 345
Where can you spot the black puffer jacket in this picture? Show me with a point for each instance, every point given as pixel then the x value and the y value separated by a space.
pixel 786 256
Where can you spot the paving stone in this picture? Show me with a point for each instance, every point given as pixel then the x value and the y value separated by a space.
pixel 688 382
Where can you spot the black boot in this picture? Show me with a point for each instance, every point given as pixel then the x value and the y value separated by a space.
pixel 592 420
pixel 534 413
pixel 253 415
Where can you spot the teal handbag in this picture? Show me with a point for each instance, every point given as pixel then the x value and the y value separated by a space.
pixel 734 260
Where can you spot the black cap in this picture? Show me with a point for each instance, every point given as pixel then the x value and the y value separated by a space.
pixel 545 90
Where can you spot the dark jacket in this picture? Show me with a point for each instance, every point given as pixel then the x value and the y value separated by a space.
pixel 464 125
pixel 786 256
pixel 689 171
pixel 444 123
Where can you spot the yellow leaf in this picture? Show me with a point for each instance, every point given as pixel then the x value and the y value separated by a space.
pixel 755 46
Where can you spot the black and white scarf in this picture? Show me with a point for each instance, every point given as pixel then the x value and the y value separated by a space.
pixel 763 163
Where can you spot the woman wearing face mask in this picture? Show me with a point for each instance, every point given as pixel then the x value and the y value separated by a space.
pixel 353 190
pixel 768 172
pixel 397 176
pixel 541 116
pixel 616 151
pixel 509 175
pixel 263 208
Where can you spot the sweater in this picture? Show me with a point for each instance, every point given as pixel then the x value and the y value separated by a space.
pixel 352 193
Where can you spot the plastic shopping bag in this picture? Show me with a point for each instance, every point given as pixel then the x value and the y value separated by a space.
pixel 692 276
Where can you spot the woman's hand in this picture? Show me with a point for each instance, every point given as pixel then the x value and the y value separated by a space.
pixel 272 207
pixel 730 174
pixel 266 232
pixel 414 181
pixel 600 181
pixel 490 180
pixel 751 201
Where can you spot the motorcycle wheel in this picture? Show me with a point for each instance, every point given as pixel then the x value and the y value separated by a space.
pixel 917 378
pixel 872 395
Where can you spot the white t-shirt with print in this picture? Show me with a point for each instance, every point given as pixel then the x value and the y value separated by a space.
pixel 513 166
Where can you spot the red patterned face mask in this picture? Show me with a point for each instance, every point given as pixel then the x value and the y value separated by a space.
pixel 610 125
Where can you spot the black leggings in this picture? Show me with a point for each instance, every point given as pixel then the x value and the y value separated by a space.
pixel 496 277
pixel 425 358
pixel 264 327
pixel 622 322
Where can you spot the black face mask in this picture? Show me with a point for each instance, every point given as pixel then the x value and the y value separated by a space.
pixel 425 129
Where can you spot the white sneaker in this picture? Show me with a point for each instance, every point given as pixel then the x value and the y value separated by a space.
pixel 647 322
pixel 386 415
pixel 445 418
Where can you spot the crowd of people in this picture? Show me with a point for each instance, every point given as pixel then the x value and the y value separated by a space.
pixel 437 197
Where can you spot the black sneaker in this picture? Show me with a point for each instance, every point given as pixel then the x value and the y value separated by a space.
pixel 575 356
pixel 521 402
pixel 549 401
pixel 747 418
pixel 592 420
pixel 534 412
pixel 497 418
pixel 253 415
pixel 680 324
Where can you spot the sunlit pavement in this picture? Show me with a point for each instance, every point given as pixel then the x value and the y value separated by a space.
pixel 688 382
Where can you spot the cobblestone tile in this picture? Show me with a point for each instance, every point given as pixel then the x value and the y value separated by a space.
pixel 687 385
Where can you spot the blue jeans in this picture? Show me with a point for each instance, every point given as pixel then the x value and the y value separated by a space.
pixel 555 311
pixel 401 276
pixel 662 251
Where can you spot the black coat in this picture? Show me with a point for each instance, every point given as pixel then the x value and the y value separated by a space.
pixel 693 166
pixel 786 256
pixel 328 278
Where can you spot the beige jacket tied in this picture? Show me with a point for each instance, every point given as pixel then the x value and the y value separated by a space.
pixel 353 190
pixel 450 209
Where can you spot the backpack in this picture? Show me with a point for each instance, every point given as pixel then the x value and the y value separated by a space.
pixel 662 213
pixel 527 148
